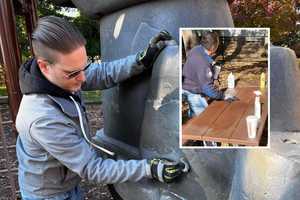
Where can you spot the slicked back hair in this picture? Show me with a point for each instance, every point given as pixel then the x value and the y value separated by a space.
pixel 210 40
pixel 54 34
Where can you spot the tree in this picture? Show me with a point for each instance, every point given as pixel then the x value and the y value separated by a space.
pixel 88 27
pixel 90 30
pixel 279 15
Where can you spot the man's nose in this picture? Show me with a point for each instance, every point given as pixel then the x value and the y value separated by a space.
pixel 81 77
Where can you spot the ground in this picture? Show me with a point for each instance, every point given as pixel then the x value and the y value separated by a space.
pixel 90 190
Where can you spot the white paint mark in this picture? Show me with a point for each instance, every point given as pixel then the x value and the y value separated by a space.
pixel 118 26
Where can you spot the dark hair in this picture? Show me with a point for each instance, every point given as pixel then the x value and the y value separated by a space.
pixel 55 34
pixel 210 40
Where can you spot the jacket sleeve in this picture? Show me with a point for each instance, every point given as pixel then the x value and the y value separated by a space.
pixel 108 74
pixel 210 91
pixel 62 141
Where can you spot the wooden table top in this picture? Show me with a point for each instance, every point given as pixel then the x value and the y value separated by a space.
pixel 226 122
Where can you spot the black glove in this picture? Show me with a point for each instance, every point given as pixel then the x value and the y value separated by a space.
pixel 156 45
pixel 165 170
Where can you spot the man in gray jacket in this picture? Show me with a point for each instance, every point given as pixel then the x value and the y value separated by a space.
pixel 54 148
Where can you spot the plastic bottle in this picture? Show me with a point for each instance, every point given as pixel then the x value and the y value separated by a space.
pixel 262 81
pixel 230 81
pixel 257 106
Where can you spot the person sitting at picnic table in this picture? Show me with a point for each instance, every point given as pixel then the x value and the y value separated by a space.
pixel 199 74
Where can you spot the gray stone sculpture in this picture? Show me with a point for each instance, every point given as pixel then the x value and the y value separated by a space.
pixel 142 114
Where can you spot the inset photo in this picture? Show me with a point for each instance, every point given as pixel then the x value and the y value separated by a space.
pixel 224 87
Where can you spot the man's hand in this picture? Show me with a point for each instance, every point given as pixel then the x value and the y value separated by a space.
pixel 156 45
pixel 229 95
pixel 165 170
pixel 231 99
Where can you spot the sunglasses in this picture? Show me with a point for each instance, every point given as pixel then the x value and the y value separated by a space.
pixel 74 74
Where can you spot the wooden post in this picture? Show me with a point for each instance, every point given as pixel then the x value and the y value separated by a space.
pixel 10 54
pixel 30 19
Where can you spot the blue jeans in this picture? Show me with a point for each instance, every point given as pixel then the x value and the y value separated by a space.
pixel 74 194
pixel 197 105
pixel 196 102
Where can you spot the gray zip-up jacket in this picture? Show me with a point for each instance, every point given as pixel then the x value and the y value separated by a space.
pixel 52 152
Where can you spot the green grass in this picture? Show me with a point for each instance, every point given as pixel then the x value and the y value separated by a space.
pixel 89 96
pixel 92 96
pixel 3 91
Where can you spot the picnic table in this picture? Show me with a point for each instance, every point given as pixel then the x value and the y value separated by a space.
pixel 226 122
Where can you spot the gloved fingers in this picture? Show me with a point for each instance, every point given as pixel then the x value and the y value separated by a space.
pixel 171 173
pixel 158 44
pixel 165 35
pixel 161 44
pixel 177 168
pixel 181 164
pixel 184 165
pixel 168 178
pixel 154 40
pixel 161 36
pixel 168 162
pixel 231 99
pixel 166 170
pixel 236 98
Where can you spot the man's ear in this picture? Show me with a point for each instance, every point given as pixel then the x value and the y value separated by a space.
pixel 43 65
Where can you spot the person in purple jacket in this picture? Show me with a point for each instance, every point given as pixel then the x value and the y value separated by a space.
pixel 198 75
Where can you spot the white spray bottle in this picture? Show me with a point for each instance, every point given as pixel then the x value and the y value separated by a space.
pixel 230 81
pixel 257 106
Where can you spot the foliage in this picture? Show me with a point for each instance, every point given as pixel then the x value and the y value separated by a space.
pixel 92 96
pixel 279 15
pixel 289 41
pixel 88 27
pixel 22 38
pixel 3 91
pixel 45 8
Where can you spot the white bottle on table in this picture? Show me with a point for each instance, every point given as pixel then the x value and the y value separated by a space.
pixel 257 106
pixel 230 81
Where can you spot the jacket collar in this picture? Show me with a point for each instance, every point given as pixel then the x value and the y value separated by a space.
pixel 32 81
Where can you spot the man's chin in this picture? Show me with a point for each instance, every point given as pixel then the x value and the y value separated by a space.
pixel 75 89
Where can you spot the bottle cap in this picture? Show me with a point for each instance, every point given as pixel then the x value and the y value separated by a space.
pixel 257 92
